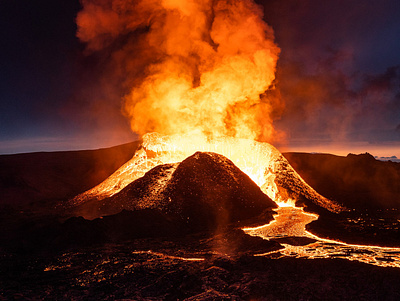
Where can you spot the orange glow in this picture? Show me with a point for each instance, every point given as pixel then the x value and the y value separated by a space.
pixel 202 79
pixel 208 85
pixel 287 203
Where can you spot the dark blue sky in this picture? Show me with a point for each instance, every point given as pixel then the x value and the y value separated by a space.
pixel 338 75
pixel 49 95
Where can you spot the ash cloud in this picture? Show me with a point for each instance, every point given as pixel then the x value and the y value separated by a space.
pixel 337 106
pixel 338 69
pixel 187 66
pixel 335 79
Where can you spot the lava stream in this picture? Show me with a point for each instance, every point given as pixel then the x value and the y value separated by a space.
pixel 291 222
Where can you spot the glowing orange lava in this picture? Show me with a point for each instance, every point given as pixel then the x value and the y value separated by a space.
pixel 291 222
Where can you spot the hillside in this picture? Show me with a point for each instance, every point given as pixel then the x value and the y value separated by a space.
pixel 357 181
pixel 34 181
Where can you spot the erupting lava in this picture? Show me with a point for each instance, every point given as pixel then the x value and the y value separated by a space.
pixel 200 76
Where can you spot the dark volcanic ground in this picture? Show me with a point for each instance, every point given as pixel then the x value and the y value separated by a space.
pixel 368 187
pixel 121 272
pixel 140 255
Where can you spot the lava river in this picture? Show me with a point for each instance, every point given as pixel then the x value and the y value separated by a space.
pixel 290 222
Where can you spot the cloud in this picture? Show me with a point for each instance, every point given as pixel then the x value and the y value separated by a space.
pixel 338 69
pixel 391 158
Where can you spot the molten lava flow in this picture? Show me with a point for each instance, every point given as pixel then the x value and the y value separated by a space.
pixel 290 223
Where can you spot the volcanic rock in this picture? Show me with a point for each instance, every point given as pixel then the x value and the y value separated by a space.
pixel 204 192
pixel 207 189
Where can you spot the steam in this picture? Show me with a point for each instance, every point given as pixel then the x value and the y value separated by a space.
pixel 198 67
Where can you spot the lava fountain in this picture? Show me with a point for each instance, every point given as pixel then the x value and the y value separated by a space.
pixel 202 74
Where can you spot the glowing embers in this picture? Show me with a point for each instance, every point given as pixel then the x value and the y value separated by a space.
pixel 165 256
pixel 113 262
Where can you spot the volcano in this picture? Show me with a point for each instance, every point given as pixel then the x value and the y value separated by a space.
pixel 205 191
pixel 155 168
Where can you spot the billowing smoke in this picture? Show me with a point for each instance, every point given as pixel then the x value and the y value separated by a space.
pixel 198 67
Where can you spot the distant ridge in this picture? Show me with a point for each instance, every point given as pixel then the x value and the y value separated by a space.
pixel 41 180
pixel 357 181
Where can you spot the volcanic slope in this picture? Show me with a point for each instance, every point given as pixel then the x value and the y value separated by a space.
pixel 206 191
pixel 266 166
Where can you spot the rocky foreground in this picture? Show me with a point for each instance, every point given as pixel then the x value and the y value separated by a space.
pixel 143 254
pixel 131 272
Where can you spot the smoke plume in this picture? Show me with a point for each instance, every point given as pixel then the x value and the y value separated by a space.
pixel 198 67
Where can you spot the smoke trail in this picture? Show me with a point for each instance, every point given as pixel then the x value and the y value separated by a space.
pixel 203 66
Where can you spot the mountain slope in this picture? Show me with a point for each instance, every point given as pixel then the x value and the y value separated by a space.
pixel 357 181
pixel 267 167
pixel 37 180
pixel 206 191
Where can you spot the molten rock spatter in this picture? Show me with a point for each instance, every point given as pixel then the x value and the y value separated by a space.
pixel 204 192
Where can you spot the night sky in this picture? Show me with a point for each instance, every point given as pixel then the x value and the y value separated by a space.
pixel 338 76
